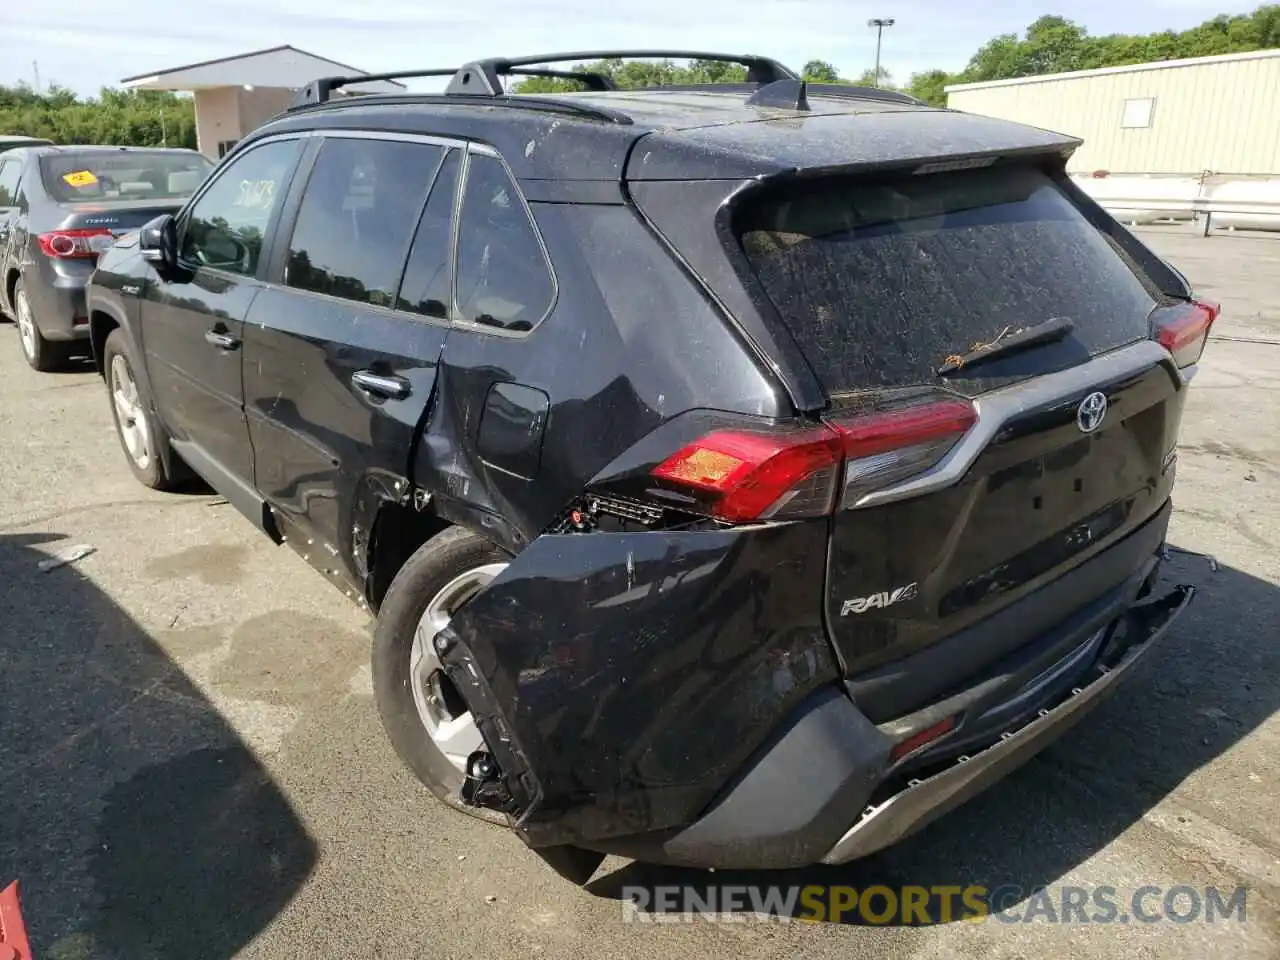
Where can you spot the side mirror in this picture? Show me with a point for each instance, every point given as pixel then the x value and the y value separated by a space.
pixel 158 241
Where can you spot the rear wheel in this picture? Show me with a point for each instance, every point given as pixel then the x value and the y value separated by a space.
pixel 40 354
pixel 424 715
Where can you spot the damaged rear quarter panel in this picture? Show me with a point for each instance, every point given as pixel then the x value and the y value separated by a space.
pixel 635 672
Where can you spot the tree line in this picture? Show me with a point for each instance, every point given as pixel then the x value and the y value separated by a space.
pixel 140 118
pixel 1052 44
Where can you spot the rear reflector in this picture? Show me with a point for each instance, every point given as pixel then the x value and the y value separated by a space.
pixel 75 244
pixel 918 740
pixel 1184 329
pixel 743 476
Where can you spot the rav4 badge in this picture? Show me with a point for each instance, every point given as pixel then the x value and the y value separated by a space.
pixel 878 601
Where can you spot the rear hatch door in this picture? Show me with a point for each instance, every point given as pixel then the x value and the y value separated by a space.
pixel 1041 456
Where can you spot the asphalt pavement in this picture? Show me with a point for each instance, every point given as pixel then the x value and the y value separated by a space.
pixel 191 765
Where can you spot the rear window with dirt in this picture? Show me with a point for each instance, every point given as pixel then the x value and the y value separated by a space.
pixel 882 280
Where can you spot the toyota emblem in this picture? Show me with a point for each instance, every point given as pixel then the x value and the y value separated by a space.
pixel 1091 412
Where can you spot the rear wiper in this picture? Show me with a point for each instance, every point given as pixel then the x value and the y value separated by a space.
pixel 1008 343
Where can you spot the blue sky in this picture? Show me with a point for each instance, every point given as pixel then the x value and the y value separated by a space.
pixel 85 44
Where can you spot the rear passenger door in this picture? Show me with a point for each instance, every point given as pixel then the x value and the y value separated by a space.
pixel 483 456
pixel 339 366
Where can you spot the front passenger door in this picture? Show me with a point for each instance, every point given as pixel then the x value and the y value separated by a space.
pixel 10 174
pixel 193 318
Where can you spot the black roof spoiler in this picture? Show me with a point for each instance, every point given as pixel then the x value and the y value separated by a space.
pixel 484 77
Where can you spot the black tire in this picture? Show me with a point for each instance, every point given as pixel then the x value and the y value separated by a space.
pixel 440 560
pixel 153 473
pixel 43 355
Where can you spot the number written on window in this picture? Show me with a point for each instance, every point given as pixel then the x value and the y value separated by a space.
pixel 257 194
pixel 227 225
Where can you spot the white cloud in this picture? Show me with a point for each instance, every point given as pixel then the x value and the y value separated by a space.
pixel 86 44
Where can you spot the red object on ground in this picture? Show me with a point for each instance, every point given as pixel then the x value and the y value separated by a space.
pixel 13 935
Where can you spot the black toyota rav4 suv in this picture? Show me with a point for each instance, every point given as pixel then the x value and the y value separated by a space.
pixel 741 475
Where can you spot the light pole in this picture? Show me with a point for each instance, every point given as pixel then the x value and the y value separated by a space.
pixel 879 23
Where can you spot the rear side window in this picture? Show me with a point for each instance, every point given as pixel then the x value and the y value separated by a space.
pixel 357 216
pixel 88 176
pixel 504 280
pixel 880 281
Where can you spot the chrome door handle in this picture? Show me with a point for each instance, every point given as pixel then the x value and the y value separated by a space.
pixel 223 341
pixel 375 384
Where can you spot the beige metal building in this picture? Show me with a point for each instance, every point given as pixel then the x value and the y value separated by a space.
pixel 234 95
pixel 1184 117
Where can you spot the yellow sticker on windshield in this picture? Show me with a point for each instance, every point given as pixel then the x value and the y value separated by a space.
pixel 81 178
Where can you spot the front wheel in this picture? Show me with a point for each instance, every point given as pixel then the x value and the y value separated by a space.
pixel 139 434
pixel 428 722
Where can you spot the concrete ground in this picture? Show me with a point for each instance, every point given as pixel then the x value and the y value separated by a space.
pixel 191 765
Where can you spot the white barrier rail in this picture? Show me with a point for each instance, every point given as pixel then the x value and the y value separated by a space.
pixel 1242 204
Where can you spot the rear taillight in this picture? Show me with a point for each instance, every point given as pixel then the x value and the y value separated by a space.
pixel 75 244
pixel 1184 329
pixel 743 476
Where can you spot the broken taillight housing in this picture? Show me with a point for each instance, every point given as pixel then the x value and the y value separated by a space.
pixel 744 475
pixel 77 244
pixel 1184 329
pixel 740 476
pixel 885 447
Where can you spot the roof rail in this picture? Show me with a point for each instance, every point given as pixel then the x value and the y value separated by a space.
pixel 484 77
pixel 520 102
pixel 762 95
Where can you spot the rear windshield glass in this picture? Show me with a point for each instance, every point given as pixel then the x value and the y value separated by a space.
pixel 122 175
pixel 881 281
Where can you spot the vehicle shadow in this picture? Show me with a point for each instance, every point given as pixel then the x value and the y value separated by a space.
pixel 136 821
pixel 1180 710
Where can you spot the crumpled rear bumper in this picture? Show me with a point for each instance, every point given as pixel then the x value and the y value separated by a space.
pixel 621 679
pixel 923 800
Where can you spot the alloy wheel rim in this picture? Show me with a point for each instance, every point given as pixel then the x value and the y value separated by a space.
pixel 440 709
pixel 130 417
pixel 26 325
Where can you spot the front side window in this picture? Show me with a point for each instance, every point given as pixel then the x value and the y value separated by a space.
pixel 503 277
pixel 357 217
pixel 226 226
pixel 85 176
pixel 10 172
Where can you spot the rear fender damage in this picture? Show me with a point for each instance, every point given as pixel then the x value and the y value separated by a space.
pixel 620 680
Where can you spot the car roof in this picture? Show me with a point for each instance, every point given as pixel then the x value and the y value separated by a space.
pixel 678 134
pixel 773 123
